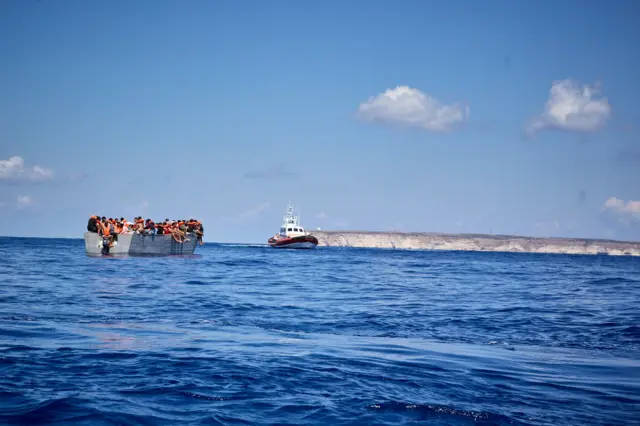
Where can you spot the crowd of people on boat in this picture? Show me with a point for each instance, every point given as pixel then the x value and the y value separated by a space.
pixel 178 229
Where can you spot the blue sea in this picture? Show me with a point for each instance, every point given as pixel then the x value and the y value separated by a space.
pixel 241 334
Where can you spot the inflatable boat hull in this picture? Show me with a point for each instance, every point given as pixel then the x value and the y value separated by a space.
pixel 140 245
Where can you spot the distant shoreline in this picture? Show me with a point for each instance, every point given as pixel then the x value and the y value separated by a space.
pixel 472 235
pixel 476 242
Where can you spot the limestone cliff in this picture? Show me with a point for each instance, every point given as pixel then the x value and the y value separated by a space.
pixel 473 242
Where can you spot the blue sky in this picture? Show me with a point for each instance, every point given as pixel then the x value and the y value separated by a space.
pixel 377 115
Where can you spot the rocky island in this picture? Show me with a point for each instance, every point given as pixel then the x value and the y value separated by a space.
pixel 476 242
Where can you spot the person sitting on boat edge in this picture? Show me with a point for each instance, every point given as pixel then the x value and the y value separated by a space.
pixel 102 223
pixel 149 227
pixel 92 225
pixel 179 232
pixel 106 230
pixel 195 227
pixel 124 225
pixel 199 231
pixel 114 228
pixel 138 225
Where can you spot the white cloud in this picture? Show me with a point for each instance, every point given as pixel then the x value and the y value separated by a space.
pixel 572 107
pixel 20 202
pixel 24 201
pixel 14 170
pixel 621 207
pixel 321 216
pixel 411 107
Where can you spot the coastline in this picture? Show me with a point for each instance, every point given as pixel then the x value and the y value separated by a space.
pixel 476 242
pixel 450 242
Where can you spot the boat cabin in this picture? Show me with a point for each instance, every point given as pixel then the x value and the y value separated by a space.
pixel 291 231
pixel 291 227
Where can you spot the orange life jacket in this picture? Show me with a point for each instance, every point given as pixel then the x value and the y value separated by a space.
pixel 105 230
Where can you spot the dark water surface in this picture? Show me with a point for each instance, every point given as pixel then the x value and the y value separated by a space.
pixel 253 335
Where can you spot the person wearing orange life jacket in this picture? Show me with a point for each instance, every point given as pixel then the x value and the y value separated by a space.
pixel 124 225
pixel 113 223
pixel 198 229
pixel 106 231
pixel 138 225
pixel 176 233
pixel 99 225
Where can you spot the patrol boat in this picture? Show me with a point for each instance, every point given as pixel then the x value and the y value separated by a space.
pixel 292 235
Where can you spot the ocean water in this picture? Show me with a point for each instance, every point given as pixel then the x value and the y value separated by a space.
pixel 251 335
